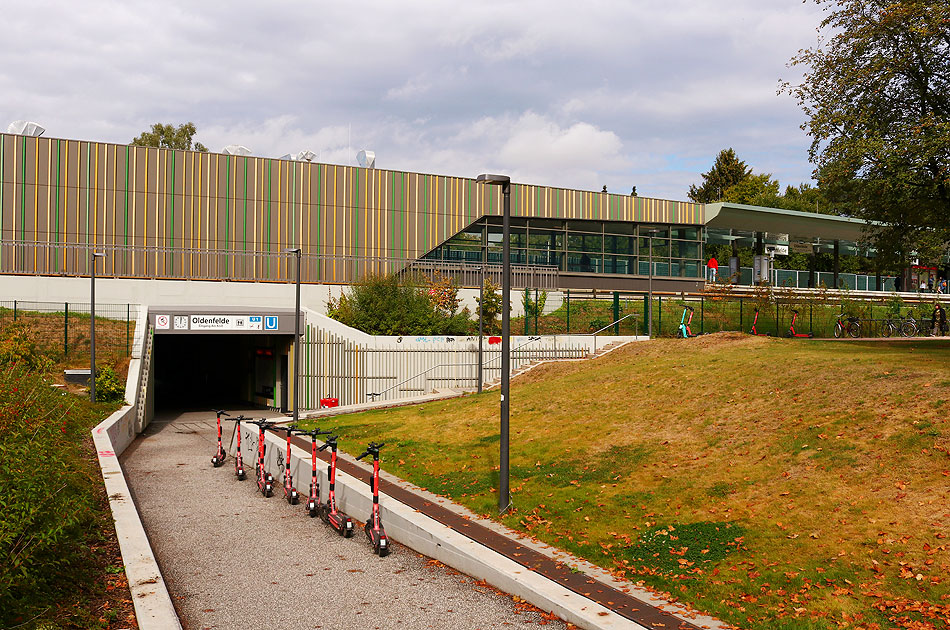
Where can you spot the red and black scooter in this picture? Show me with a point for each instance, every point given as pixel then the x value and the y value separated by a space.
pixel 220 455
pixel 374 527
pixel 313 506
pixel 339 521
pixel 791 328
pixel 238 458
pixel 265 480
pixel 754 331
pixel 290 492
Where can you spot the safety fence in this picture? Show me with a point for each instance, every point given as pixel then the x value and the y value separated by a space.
pixel 182 263
pixel 61 329
pixel 353 367
pixel 719 308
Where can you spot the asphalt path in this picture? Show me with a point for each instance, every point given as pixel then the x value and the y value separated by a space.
pixel 233 559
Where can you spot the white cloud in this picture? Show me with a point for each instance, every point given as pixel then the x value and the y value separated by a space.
pixel 554 92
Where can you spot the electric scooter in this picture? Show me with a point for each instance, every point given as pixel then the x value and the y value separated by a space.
pixel 684 329
pixel 374 527
pixel 313 505
pixel 290 492
pixel 339 521
pixel 791 328
pixel 220 455
pixel 238 458
pixel 265 480
pixel 754 331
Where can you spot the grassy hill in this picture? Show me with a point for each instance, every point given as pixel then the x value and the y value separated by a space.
pixel 773 483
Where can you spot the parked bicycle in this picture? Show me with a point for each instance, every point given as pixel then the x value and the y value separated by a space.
pixel 847 325
pixel 899 325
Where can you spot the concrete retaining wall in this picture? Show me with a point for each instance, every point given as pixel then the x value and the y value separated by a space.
pixel 153 605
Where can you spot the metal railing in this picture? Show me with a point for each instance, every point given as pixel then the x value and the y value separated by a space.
pixel 185 263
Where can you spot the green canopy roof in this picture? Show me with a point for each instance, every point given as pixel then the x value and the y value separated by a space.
pixel 806 226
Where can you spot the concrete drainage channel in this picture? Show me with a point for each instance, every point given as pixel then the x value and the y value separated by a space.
pixel 442 531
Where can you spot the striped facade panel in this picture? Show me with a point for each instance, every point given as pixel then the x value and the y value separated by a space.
pixel 160 213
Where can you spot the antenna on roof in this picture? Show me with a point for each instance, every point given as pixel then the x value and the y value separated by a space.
pixel 366 159
pixel 236 149
pixel 26 128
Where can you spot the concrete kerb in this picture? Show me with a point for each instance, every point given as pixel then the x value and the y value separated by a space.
pixel 430 537
pixel 153 604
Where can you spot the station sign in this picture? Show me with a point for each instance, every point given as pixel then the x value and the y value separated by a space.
pixel 227 322
pixel 181 321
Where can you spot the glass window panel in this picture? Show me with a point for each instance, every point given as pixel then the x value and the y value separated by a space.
pixel 545 239
pixel 544 257
pixel 663 232
pixel 585 226
pixel 687 233
pixel 662 268
pixel 619 264
pixel 675 268
pixel 517 235
pixel 686 249
pixel 584 262
pixel 618 244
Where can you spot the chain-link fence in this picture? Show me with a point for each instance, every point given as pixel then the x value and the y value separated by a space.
pixel 61 329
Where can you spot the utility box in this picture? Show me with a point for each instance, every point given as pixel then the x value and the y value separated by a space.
pixel 79 377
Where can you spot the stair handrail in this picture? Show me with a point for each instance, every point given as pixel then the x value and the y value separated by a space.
pixel 593 335
pixel 375 395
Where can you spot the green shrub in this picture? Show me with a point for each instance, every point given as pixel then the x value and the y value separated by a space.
pixel 397 305
pixel 48 482
pixel 18 347
pixel 109 387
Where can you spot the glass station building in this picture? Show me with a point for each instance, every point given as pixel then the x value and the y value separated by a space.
pixel 169 214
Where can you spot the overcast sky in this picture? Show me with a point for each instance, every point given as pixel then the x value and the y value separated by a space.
pixel 574 94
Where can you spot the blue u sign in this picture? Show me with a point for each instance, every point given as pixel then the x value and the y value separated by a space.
pixel 270 322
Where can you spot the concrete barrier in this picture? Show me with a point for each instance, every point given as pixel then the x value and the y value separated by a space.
pixel 153 605
pixel 426 535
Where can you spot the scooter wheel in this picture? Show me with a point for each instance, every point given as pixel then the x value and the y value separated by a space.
pixel 382 552
pixel 347 531
pixel 216 462
pixel 268 491
pixel 294 499
pixel 242 476
pixel 312 512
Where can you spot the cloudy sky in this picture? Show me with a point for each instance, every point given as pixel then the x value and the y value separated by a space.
pixel 575 94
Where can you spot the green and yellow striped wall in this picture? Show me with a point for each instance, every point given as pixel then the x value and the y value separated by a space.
pixel 164 212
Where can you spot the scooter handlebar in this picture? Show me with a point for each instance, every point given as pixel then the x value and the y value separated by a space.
pixel 329 442
pixel 221 412
pixel 240 418
pixel 372 449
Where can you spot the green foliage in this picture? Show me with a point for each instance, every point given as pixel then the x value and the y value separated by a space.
pixel 752 189
pixel 18 347
pixel 109 387
pixel 532 308
pixel 491 309
pixel 47 493
pixel 876 93
pixel 396 305
pixel 170 137
pixel 727 171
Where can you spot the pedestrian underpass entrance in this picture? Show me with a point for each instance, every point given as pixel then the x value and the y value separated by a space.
pixel 215 358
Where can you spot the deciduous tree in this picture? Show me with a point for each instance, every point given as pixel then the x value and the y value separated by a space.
pixel 170 137
pixel 876 91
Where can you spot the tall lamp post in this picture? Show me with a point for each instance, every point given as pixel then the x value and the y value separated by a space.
pixel 651 232
pixel 504 181
pixel 296 412
pixel 481 306
pixel 92 325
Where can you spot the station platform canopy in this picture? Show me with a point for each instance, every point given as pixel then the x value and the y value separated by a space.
pixel 798 226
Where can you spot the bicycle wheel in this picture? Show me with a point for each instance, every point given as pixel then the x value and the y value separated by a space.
pixel 908 329
pixel 888 328
pixel 854 329
pixel 838 330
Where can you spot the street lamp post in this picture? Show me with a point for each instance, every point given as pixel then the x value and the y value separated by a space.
pixel 504 181
pixel 296 412
pixel 481 306
pixel 92 326
pixel 651 232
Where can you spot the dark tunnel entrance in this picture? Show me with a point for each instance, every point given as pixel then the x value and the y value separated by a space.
pixel 219 370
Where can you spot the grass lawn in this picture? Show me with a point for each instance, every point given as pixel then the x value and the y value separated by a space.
pixel 772 483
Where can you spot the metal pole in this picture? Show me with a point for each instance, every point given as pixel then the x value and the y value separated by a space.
pixel 481 306
pixel 297 344
pixel 92 327
pixel 503 497
pixel 650 289
pixel 66 330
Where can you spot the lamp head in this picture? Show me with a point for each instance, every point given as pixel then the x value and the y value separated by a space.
pixel 292 250
pixel 98 255
pixel 497 180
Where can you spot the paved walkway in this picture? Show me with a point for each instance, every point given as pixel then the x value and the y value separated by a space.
pixel 233 559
